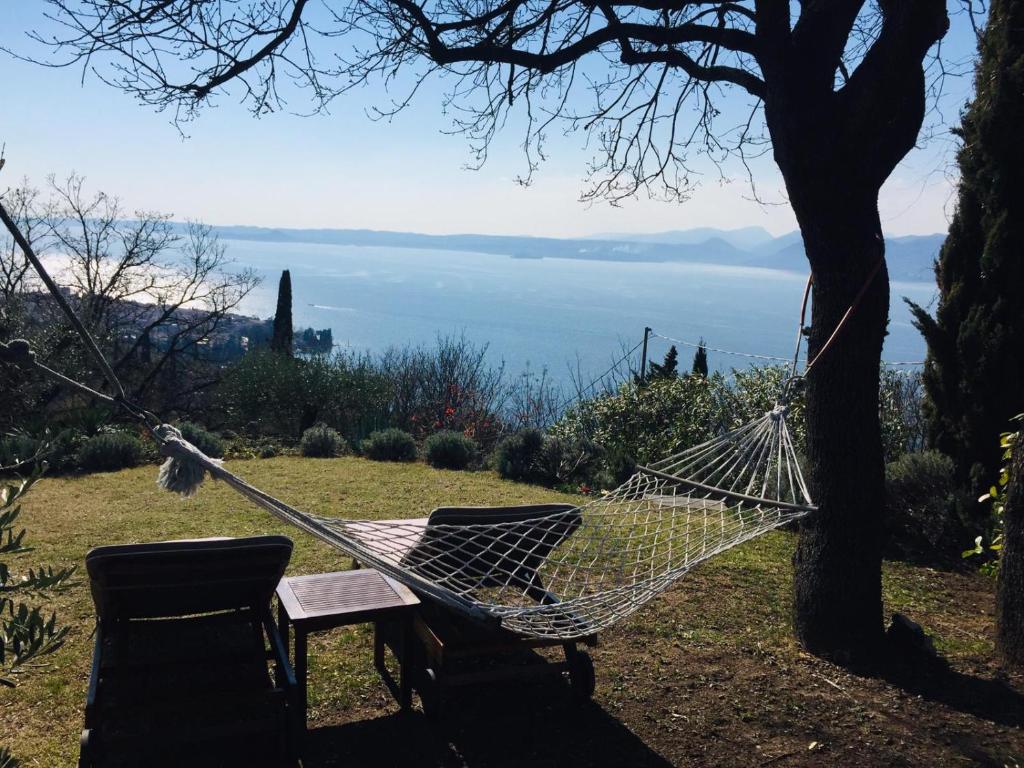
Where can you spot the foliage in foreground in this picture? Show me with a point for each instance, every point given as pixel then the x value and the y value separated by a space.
pixel 997 497
pixel 25 632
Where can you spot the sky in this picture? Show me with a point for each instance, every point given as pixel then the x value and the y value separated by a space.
pixel 344 170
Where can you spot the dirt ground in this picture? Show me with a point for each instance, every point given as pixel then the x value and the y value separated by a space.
pixel 701 699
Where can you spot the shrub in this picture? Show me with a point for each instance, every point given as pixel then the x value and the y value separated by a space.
pixel 201 438
pixel 449 450
pixel 17 448
pixel 390 445
pixel 570 462
pixel 57 450
pixel 321 441
pixel 272 394
pixel 517 456
pixel 109 451
pixel 268 451
pixel 447 386
pixel 923 524
pixel 649 421
pixel 614 468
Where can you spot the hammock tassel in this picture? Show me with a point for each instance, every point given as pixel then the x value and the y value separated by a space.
pixel 186 466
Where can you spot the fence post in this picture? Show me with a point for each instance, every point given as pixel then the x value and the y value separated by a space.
pixel 643 359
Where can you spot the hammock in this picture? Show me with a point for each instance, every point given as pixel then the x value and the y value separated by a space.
pixel 571 571
pixel 559 572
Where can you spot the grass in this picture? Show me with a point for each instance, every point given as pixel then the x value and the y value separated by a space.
pixel 711 661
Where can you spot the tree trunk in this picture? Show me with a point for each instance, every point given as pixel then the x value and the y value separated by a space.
pixel 1010 590
pixel 837 579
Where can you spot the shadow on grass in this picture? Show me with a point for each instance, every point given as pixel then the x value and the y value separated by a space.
pixel 529 725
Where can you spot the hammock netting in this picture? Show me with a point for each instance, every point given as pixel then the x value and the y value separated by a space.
pixel 561 571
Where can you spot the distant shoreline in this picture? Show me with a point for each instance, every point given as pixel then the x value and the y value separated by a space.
pixel 910 258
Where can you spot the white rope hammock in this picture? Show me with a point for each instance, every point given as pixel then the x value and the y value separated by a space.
pixel 559 571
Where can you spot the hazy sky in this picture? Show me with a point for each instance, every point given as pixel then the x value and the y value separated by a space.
pixel 345 170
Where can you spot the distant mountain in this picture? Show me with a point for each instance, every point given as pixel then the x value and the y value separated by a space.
pixel 745 238
pixel 910 258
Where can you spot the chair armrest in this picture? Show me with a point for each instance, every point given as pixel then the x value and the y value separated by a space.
pixel 92 693
pixel 277 647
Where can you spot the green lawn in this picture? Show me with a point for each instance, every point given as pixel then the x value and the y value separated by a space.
pixel 710 664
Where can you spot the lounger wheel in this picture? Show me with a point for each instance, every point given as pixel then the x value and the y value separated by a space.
pixel 582 679
pixel 430 695
pixel 87 749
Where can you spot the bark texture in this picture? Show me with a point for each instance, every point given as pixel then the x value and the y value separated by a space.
pixel 1010 591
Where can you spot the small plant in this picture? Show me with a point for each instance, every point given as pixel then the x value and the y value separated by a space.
pixel 390 445
pixel 25 633
pixel 997 496
pixel 449 450
pixel 518 455
pixel 109 451
pixel 269 451
pixel 203 439
pixel 321 441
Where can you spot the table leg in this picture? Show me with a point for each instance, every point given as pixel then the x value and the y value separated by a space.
pixel 301 672
pixel 405 665
pixel 378 647
pixel 282 630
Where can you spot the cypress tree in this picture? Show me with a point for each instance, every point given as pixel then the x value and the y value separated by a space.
pixel 975 362
pixel 668 368
pixel 700 360
pixel 282 339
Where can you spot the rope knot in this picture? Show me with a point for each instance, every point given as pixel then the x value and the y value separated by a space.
pixel 186 466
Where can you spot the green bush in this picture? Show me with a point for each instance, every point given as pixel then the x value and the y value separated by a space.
pixel 517 456
pixel 57 450
pixel 269 451
pixel 270 394
pixel 650 421
pixel 109 451
pixel 321 441
pixel 17 448
pixel 449 450
pixel 923 523
pixel 390 445
pixel 201 438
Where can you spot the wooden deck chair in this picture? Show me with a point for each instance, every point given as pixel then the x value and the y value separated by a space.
pixel 180 663
pixel 446 638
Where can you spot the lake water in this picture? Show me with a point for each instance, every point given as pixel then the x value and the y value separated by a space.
pixel 544 313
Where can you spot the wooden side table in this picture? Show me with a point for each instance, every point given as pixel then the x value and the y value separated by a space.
pixel 327 600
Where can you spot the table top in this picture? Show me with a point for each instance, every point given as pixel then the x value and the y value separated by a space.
pixel 343 597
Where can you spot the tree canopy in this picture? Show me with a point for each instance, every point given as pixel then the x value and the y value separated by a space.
pixel 644 78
